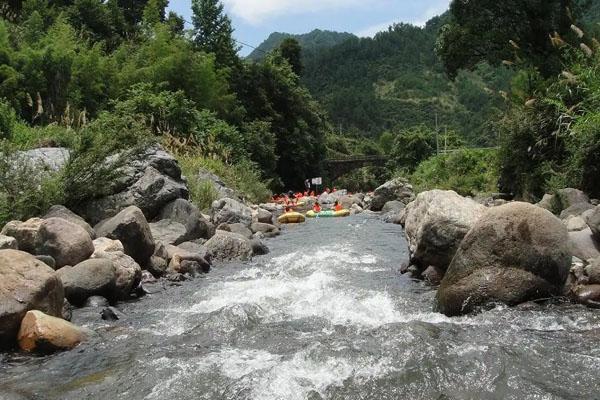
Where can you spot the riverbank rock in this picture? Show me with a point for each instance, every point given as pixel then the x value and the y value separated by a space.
pixel 45 158
pixel 45 334
pixel 131 228
pixel 149 181
pixel 576 210
pixel 128 273
pixel 66 242
pixel 184 212
pixel 583 245
pixel 436 222
pixel 593 222
pixel 26 284
pixel 182 261
pixel 566 198
pixel 169 232
pixel 258 247
pixel 218 185
pixel 263 216
pixel 230 211
pixel 514 253
pixel 355 209
pixel 396 189
pixel 103 244
pixel 25 233
pixel 228 246
pixel 95 277
pixel 547 202
pixel 68 215
pixel 575 224
pixel 8 242
pixel 267 230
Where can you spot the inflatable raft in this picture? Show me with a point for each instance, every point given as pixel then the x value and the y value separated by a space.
pixel 328 214
pixel 291 218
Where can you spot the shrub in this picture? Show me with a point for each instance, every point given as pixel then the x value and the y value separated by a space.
pixel 467 172
pixel 8 120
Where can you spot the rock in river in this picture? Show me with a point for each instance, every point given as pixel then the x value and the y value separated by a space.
pixel 396 189
pixel 26 284
pixel 514 253
pixel 226 246
pixel 43 333
pixel 68 243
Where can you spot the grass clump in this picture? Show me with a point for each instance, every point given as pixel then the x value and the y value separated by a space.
pixel 467 172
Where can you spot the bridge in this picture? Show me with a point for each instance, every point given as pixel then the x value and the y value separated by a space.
pixel 338 167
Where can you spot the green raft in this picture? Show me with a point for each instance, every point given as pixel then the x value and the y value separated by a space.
pixel 328 214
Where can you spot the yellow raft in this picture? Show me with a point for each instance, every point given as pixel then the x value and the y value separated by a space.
pixel 291 218
pixel 328 214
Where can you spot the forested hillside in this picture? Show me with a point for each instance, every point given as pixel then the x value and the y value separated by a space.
pixel 395 80
pixel 312 43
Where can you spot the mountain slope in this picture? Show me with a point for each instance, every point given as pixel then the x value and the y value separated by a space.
pixel 310 42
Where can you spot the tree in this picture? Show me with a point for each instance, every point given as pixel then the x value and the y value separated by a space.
pixel 154 12
pixel 213 32
pixel 508 30
pixel 290 50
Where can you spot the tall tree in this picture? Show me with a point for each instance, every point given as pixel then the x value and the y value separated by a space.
pixel 154 12
pixel 494 31
pixel 213 32
pixel 292 51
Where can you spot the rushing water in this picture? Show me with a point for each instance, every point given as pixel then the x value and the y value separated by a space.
pixel 325 316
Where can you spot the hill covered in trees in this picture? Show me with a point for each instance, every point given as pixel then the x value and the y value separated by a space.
pixel 311 43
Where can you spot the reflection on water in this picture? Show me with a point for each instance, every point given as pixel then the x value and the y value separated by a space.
pixel 325 316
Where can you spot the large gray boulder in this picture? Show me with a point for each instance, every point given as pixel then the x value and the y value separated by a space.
pixel 8 242
pixel 131 228
pixel 396 189
pixel 228 246
pixel 95 277
pixel 263 216
pixel 230 211
pixel 26 284
pixel 169 232
pixel 128 273
pixel 568 197
pixel 436 222
pixel 267 230
pixel 514 253
pixel 149 181
pixel 583 245
pixel 576 210
pixel 63 212
pixel 45 158
pixel 188 259
pixel 66 242
pixel 184 212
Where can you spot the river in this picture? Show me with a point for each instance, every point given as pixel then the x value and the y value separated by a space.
pixel 326 315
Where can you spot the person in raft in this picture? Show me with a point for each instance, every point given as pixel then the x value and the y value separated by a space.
pixel 317 207
pixel 337 206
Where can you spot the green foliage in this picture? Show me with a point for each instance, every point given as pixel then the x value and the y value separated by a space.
pixel 467 172
pixel 243 177
pixel 411 146
pixel 8 120
pixel 290 50
pixel 482 30
pixel 26 191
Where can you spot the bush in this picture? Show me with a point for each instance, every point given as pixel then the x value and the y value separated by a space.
pixel 8 120
pixel 28 137
pixel 243 177
pixel 583 167
pixel 467 172
pixel 26 191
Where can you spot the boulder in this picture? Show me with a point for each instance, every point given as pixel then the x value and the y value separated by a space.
pixel 394 206
pixel 44 333
pixel 45 158
pixel 8 242
pixel 128 273
pixel 149 181
pixel 104 245
pixel 264 217
pixel 566 198
pixel 169 232
pixel 576 210
pixel 67 311
pixel 230 211
pixel 326 198
pixel 95 277
pixel 547 202
pixel 396 189
pixel 226 246
pixel 514 253
pixel 48 260
pixel 588 295
pixel 436 222
pixel 66 214
pixel 96 302
pixel 240 229
pixel 184 212
pixel 583 245
pixel 131 228
pixel 267 230
pixel 195 248
pixel 592 270
pixel 433 275
pixel 25 233
pixel 26 284
pixel 574 223
pixel 66 242
pixel 355 209
pixel 593 222
pixel 185 262
pixel 258 247
pixel 272 207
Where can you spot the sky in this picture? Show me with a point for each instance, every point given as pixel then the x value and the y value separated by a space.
pixel 254 20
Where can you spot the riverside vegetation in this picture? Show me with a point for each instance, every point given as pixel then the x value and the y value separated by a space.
pixel 135 150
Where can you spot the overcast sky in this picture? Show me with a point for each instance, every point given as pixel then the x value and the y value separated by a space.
pixel 254 20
